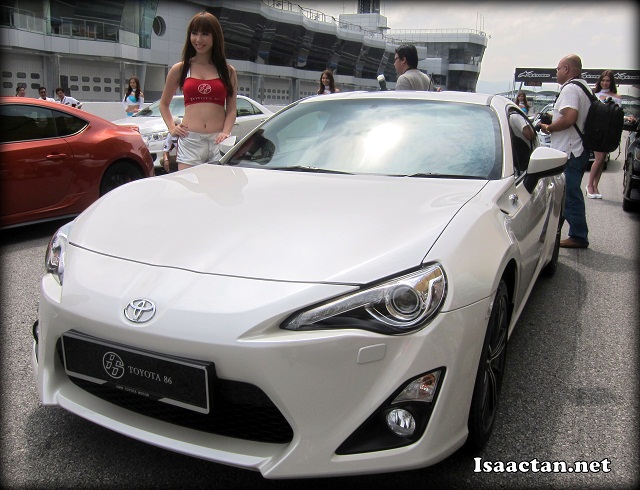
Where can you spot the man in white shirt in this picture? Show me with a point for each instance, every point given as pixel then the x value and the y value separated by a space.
pixel 42 92
pixel 64 100
pixel 406 65
pixel 571 107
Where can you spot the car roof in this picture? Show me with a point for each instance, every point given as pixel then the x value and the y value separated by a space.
pixel 28 100
pixel 448 96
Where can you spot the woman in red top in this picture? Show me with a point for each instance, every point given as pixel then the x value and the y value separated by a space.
pixel 209 85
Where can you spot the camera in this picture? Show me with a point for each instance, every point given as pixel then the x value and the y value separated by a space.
pixel 545 118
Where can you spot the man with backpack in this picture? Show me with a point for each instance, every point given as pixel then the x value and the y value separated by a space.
pixel 570 110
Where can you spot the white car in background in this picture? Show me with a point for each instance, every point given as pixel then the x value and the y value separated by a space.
pixel 154 130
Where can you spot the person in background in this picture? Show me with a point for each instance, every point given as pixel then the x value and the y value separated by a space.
pixel 21 91
pixel 327 83
pixel 42 92
pixel 571 107
pixel 209 85
pixel 64 100
pixel 522 102
pixel 605 89
pixel 133 97
pixel 168 153
pixel 406 65
pixel 522 136
pixel 520 128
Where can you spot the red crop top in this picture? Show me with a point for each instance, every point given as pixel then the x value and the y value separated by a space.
pixel 196 91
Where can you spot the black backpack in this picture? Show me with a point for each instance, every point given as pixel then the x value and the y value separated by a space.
pixel 603 127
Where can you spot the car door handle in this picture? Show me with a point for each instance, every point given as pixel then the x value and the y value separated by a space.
pixel 57 156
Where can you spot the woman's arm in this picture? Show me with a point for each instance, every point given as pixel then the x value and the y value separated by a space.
pixel 231 108
pixel 171 85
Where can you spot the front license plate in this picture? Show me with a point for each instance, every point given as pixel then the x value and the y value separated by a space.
pixel 172 380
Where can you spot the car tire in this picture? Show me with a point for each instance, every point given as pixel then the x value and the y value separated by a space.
pixel 117 174
pixel 488 384
pixel 627 205
pixel 552 266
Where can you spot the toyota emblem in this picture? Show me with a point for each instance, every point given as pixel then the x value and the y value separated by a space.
pixel 140 310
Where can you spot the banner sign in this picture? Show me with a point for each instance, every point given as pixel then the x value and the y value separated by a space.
pixel 548 75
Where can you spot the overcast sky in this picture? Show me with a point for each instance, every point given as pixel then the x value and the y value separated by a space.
pixel 523 33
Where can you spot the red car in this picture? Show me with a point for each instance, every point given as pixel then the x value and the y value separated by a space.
pixel 56 160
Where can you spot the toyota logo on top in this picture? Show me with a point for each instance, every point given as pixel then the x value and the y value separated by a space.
pixel 204 88
pixel 140 310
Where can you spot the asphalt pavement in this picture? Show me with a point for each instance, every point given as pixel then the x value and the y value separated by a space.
pixel 570 392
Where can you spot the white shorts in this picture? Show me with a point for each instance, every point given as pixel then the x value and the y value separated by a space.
pixel 198 148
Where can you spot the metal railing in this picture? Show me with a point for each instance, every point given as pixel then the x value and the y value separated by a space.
pixel 21 19
pixel 95 29
pixel 85 28
pixel 395 36
pixel 77 28
pixel 461 30
pixel 318 16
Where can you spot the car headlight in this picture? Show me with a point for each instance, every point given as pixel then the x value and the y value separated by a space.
pixel 155 136
pixel 56 251
pixel 398 306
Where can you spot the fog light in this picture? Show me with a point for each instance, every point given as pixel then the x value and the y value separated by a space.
pixel 401 422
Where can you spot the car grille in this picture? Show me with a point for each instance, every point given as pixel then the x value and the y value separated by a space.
pixel 239 410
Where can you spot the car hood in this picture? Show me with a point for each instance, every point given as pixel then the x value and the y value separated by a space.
pixel 276 225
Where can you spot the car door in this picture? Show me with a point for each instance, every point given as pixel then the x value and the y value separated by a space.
pixel 248 117
pixel 36 165
pixel 530 224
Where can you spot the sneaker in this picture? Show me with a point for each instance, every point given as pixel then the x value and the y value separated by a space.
pixel 572 243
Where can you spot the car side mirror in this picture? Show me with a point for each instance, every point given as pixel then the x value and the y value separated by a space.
pixel 227 144
pixel 544 162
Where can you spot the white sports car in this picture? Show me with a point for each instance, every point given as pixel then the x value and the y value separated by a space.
pixel 334 297
pixel 154 131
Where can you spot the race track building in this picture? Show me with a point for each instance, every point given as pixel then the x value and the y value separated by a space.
pixel 278 48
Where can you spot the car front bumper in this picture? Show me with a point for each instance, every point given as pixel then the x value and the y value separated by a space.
pixel 324 383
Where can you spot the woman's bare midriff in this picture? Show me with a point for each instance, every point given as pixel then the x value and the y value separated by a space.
pixel 205 118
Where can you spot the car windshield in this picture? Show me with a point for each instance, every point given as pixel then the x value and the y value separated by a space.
pixel 153 110
pixel 394 137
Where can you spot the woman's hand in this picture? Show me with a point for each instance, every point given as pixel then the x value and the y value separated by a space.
pixel 180 130
pixel 221 137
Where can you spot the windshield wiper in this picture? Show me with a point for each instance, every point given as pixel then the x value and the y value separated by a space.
pixel 441 176
pixel 302 168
